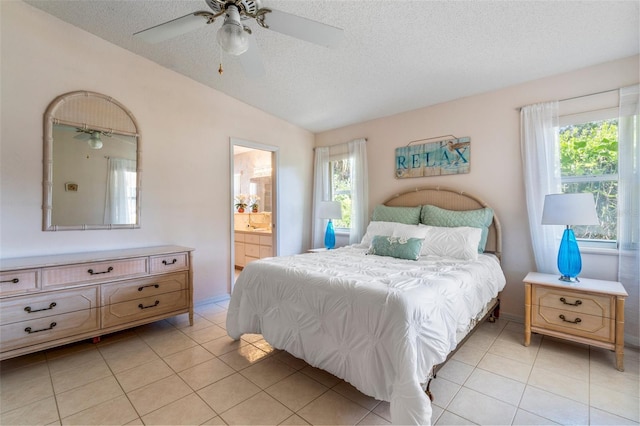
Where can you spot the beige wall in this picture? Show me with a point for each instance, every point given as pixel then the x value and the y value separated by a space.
pixel 492 122
pixel 185 130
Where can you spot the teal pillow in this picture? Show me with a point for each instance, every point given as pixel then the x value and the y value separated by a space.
pixel 398 247
pixel 407 215
pixel 480 218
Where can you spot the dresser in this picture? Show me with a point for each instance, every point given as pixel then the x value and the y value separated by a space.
pixel 48 301
pixel 589 311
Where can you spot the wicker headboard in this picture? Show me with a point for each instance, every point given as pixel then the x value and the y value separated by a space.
pixel 450 199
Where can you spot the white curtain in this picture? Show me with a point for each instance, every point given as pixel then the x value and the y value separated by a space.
pixel 321 192
pixel 117 209
pixel 541 166
pixel 359 190
pixel 629 206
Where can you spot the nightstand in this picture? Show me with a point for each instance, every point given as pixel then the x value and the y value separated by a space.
pixel 588 311
pixel 317 250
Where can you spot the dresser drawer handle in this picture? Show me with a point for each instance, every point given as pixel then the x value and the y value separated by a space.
pixel 15 281
pixel 109 269
pixel 575 321
pixel 577 303
pixel 164 262
pixel 30 331
pixel 148 285
pixel 29 310
pixel 141 306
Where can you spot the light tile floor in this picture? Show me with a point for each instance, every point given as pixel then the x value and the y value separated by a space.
pixel 170 373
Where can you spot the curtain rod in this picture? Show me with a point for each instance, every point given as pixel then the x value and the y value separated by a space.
pixel 336 144
pixel 578 97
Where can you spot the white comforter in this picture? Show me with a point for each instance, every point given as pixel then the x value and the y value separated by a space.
pixel 379 323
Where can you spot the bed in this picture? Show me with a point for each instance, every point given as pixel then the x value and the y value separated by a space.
pixel 382 323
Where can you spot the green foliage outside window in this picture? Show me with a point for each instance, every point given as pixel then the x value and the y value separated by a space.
pixel 341 190
pixel 589 163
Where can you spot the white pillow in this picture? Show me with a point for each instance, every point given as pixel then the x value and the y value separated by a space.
pixel 458 242
pixel 388 229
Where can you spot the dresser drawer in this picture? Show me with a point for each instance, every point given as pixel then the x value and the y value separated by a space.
pixel 18 282
pixel 252 250
pixel 574 301
pixel 266 240
pixel 265 252
pixel 135 289
pixel 31 332
pixel 93 272
pixel 36 306
pixel 169 263
pixel 574 323
pixel 134 310
pixel 252 239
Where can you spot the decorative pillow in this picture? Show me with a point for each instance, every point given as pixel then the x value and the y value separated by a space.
pixel 480 218
pixel 408 215
pixel 458 243
pixel 388 229
pixel 398 247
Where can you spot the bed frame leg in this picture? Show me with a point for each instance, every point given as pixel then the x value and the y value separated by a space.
pixel 428 391
pixel 495 314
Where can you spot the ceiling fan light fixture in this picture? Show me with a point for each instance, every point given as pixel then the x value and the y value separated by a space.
pixel 231 36
pixel 94 141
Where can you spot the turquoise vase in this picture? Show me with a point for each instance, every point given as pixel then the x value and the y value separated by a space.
pixel 569 260
pixel 330 236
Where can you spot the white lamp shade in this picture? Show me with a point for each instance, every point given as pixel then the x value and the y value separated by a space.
pixel 569 209
pixel 330 210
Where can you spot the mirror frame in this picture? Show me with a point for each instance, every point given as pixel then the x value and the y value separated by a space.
pixel 71 109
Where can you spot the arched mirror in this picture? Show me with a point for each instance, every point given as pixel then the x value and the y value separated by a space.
pixel 92 170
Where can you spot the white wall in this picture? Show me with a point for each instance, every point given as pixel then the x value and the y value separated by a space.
pixel 492 122
pixel 185 130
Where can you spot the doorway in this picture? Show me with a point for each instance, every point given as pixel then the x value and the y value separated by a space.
pixel 254 200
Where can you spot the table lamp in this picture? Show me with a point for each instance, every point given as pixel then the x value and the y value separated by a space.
pixel 330 210
pixel 569 209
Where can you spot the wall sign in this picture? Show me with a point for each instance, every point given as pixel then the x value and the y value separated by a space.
pixel 444 157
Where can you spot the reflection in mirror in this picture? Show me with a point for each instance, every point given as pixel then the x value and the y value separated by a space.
pixel 94 177
pixel 91 164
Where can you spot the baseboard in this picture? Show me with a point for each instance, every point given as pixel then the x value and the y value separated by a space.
pixel 216 299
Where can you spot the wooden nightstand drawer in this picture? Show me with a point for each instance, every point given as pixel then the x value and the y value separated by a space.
pixel 578 324
pixel 574 301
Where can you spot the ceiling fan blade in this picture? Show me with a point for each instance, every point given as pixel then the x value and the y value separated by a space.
pixel 174 27
pixel 303 28
pixel 251 60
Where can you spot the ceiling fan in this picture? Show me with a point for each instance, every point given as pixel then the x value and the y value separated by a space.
pixel 92 137
pixel 234 37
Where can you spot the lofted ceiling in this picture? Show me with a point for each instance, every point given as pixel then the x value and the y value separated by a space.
pixel 396 55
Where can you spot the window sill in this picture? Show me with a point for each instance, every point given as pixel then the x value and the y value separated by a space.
pixel 599 250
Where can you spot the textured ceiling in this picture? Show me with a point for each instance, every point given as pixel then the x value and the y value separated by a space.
pixel 396 55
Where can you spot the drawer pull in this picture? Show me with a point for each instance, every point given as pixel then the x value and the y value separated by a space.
pixel 29 310
pixel 148 285
pixel 577 303
pixel 141 306
pixel 30 331
pixel 15 281
pixel 164 262
pixel 109 269
pixel 575 321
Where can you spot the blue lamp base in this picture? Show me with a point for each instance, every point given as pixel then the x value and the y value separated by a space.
pixel 569 260
pixel 329 236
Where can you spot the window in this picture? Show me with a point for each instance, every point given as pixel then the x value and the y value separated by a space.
pixel 589 163
pixel 340 175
